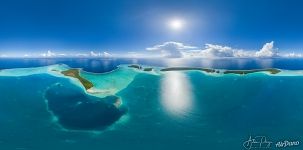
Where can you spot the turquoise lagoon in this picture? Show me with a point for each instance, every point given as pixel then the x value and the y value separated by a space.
pixel 127 108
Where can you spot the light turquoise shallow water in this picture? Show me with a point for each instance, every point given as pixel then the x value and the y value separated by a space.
pixel 173 110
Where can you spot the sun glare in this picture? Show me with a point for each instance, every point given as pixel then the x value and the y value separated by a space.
pixel 176 24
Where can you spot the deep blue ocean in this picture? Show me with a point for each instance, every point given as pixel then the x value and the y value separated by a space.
pixel 179 110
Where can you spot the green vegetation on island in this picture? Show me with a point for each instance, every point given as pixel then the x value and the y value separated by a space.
pixel 75 73
pixel 147 69
pixel 243 72
pixel 140 67
pixel 135 66
pixel 188 69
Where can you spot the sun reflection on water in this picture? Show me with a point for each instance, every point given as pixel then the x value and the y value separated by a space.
pixel 176 93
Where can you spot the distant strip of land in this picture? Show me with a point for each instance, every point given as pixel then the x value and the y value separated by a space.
pixel 140 67
pixel 270 70
pixel 241 72
pixel 209 70
pixel 188 68
pixel 135 66
pixel 75 73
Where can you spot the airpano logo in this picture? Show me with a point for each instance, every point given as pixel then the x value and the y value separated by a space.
pixel 262 142
pixel 285 143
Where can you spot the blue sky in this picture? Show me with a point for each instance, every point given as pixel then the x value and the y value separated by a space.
pixel 134 25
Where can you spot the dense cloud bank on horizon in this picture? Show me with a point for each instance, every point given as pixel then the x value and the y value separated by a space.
pixel 90 54
pixel 51 54
pixel 172 50
pixel 179 50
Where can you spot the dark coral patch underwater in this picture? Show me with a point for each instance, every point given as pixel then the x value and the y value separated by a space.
pixel 78 111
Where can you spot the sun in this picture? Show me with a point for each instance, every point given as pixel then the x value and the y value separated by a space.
pixel 176 24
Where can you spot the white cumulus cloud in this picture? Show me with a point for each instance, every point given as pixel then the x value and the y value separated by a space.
pixel 212 50
pixel 226 51
pixel 48 54
pixel 99 54
pixel 106 54
pixel 94 54
pixel 176 50
pixel 267 50
pixel 81 55
pixel 171 49
pixel 291 55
